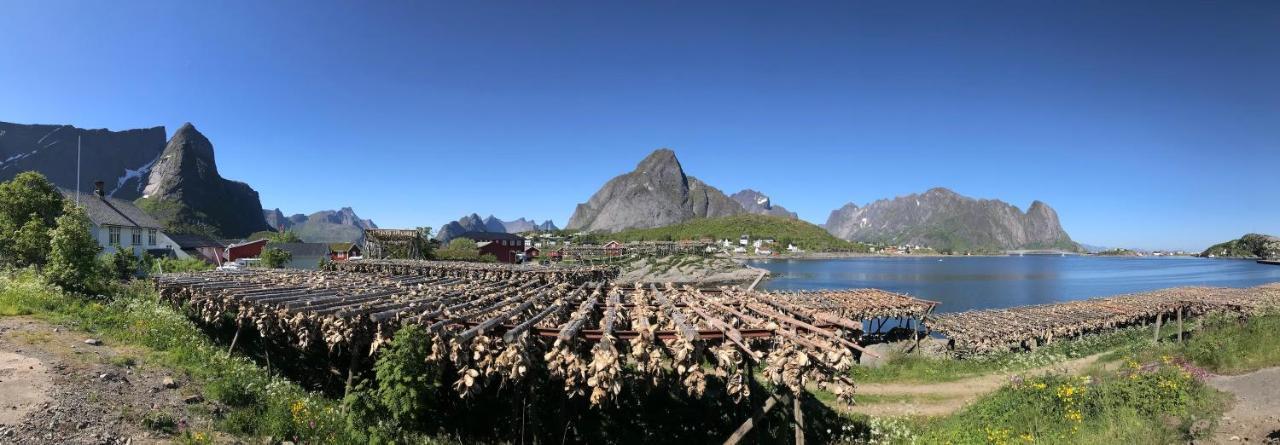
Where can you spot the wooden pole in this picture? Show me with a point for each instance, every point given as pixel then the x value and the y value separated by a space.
pixel 1179 325
pixel 234 338
pixel 798 414
pixel 755 418
pixel 1159 319
pixel 351 370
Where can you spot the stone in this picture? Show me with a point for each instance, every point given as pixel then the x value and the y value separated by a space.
pixel 168 382
pixel 193 399
pixel 92 341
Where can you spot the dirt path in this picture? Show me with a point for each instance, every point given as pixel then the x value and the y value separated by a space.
pixel 1256 412
pixel 936 399
pixel 57 389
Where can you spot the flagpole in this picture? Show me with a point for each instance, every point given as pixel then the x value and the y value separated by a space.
pixel 77 170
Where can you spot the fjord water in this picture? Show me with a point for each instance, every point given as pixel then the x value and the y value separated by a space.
pixel 963 283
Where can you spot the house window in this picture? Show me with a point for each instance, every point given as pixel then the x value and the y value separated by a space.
pixel 151 237
pixel 137 237
pixel 113 235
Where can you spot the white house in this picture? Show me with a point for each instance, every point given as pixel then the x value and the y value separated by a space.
pixel 119 222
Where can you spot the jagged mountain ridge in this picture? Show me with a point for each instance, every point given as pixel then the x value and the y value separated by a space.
pixel 657 193
pixel 185 191
pixel 945 220
pixel 325 226
pixel 528 225
pixel 758 203
pixel 121 159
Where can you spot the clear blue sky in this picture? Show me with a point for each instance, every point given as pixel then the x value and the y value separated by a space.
pixel 1153 125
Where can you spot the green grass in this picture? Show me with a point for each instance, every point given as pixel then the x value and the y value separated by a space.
pixel 259 404
pixel 919 369
pixel 1139 406
pixel 805 235
pixel 1227 344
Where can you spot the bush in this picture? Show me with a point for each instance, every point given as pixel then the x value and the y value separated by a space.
pixel 178 265
pixel 275 258
pixel 122 264
pixel 29 207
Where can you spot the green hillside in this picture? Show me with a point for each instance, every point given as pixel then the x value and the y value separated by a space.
pixel 1252 245
pixel 784 230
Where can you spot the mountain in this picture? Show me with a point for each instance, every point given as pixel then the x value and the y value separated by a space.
pixel 760 204
pixel 185 192
pixel 326 226
pixel 803 234
pixel 119 158
pixel 528 225
pixel 1252 245
pixel 493 224
pixel 657 193
pixel 469 223
pixel 945 220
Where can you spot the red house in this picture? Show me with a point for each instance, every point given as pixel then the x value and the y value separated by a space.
pixel 613 248
pixel 248 249
pixel 505 246
pixel 343 251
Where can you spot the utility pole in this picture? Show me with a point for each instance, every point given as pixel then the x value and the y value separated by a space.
pixel 77 170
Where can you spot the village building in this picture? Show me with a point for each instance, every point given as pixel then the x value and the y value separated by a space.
pixel 202 247
pixel 117 222
pixel 505 246
pixel 343 251
pixel 247 249
pixel 614 248
pixel 531 253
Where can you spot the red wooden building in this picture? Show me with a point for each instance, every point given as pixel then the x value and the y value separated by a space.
pixel 248 249
pixel 505 246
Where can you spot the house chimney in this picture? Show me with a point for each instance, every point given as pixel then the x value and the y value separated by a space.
pixel 97 188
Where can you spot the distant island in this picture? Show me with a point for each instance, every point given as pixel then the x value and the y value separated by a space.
pixel 1250 246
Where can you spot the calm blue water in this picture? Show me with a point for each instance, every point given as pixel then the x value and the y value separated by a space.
pixel 963 283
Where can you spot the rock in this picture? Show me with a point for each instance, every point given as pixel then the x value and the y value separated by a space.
pixel 756 202
pixel 121 158
pixel 883 350
pixel 92 341
pixel 193 399
pixel 186 180
pixel 168 382
pixel 657 193
pixel 945 220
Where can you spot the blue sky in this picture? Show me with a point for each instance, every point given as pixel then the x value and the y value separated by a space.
pixel 1144 124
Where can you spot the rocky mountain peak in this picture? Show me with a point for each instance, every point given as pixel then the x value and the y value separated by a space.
pixel 946 220
pixel 185 191
pixel 657 193
pixel 759 203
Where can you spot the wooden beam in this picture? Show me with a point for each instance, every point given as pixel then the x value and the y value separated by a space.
pixel 756 418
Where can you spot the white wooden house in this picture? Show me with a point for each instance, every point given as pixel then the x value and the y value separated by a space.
pixel 118 222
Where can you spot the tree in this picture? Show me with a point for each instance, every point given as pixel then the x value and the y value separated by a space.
pixel 276 258
pixel 29 204
pixel 29 245
pixel 73 253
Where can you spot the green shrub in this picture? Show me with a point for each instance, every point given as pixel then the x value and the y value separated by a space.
pixel 178 265
pixel 275 258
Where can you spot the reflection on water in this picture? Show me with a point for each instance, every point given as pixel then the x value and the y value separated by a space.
pixel 962 283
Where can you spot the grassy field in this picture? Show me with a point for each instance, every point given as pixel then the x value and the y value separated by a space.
pixel 260 404
pixel 1148 394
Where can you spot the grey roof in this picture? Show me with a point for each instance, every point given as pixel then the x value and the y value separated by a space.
pixel 303 249
pixel 105 210
pixel 193 241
